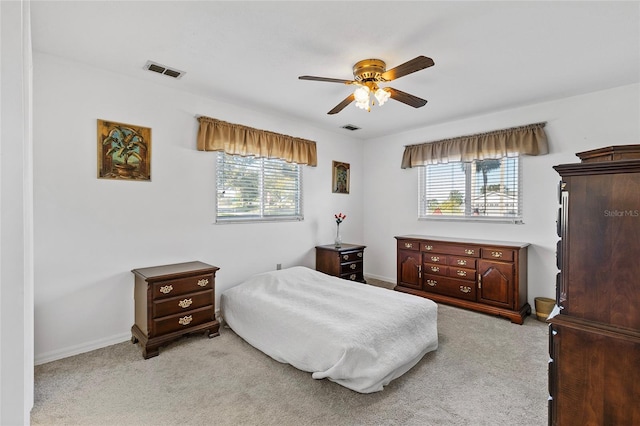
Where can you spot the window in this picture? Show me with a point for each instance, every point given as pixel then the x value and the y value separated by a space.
pixel 486 190
pixel 257 189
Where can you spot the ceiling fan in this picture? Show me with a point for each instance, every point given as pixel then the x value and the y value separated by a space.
pixel 368 73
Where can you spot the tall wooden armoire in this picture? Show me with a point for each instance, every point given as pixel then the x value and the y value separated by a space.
pixel 594 343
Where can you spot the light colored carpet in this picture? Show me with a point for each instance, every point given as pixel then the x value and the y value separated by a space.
pixel 486 371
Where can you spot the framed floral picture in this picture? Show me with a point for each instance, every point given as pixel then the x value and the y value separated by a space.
pixel 340 181
pixel 124 151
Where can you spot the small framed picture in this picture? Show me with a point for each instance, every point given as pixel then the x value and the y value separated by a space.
pixel 124 151
pixel 340 181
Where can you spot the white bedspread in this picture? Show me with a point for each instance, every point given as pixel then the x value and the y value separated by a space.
pixel 354 334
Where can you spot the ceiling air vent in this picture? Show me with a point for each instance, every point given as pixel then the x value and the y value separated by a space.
pixel 161 69
pixel 350 127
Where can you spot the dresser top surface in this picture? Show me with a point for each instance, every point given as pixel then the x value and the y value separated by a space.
pixel 168 271
pixel 463 240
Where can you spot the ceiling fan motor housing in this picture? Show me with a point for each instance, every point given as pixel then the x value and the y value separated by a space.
pixel 369 70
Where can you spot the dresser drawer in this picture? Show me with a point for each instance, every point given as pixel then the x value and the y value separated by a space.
pixel 465 262
pixel 435 258
pixel 179 286
pixel 460 250
pixel 408 245
pixel 185 302
pixel 183 321
pixel 497 254
pixel 349 268
pixel 462 273
pixel 351 256
pixel 430 268
pixel 460 289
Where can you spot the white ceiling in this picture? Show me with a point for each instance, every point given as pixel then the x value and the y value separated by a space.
pixel 489 55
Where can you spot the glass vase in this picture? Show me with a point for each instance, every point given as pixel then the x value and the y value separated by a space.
pixel 338 236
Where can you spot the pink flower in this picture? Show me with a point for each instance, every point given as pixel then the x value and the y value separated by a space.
pixel 340 217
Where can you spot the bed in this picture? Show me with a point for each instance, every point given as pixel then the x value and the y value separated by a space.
pixel 357 335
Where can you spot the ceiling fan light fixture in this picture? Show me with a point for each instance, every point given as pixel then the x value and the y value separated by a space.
pixel 361 96
pixel 366 76
pixel 382 96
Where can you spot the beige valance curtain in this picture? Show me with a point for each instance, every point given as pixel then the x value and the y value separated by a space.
pixel 235 139
pixel 524 140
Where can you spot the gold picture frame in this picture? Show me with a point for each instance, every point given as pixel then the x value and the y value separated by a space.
pixel 124 151
pixel 340 181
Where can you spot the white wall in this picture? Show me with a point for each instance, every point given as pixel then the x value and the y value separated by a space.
pixel 16 216
pixel 610 117
pixel 90 233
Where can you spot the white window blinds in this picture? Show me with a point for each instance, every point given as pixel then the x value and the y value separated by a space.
pixel 482 189
pixel 257 189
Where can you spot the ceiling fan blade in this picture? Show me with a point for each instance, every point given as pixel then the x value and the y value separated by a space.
pixel 330 80
pixel 406 98
pixel 415 64
pixel 342 104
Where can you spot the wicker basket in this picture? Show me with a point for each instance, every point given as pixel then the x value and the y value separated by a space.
pixel 544 306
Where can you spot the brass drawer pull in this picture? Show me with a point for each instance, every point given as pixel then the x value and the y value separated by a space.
pixel 435 258
pixel 461 273
pixel 353 266
pixel 185 303
pixel 469 251
pixel 408 245
pixel 465 289
pixel 345 256
pixel 166 289
pixel 428 248
pixel 352 277
pixel 432 283
pixel 203 282
pixel 435 269
pixel 360 254
pixel 497 254
pixel 461 262
pixel 185 320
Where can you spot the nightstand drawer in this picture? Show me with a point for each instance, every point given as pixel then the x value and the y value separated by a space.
pixel 185 302
pixel 351 256
pixel 348 268
pixel 353 276
pixel 176 287
pixel 183 321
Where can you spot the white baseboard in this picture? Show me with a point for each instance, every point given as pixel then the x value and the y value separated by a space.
pixel 88 346
pixel 81 348
pixel 378 277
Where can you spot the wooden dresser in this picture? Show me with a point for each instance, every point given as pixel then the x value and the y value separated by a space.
pixel 346 261
pixel 171 301
pixel 594 343
pixel 486 276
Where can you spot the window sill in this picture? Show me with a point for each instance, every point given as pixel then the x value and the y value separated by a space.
pixel 512 221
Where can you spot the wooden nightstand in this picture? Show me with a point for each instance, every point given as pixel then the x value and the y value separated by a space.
pixel 346 261
pixel 171 301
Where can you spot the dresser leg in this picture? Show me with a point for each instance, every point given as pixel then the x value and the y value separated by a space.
pixel 150 352
pixel 134 339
